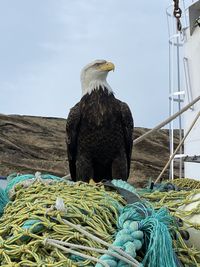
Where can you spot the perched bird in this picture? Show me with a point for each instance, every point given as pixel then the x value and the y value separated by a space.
pixel 99 129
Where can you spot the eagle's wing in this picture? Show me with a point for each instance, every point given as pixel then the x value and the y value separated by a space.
pixel 72 126
pixel 128 125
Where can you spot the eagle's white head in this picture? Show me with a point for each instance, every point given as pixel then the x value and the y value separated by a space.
pixel 93 76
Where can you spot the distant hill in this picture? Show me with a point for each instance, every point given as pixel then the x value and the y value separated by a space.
pixel 29 144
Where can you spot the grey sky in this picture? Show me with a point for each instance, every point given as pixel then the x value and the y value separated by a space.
pixel 45 43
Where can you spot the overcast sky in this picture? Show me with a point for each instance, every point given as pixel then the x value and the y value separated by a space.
pixel 45 43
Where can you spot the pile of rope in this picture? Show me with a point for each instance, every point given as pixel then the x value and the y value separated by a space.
pixel 50 222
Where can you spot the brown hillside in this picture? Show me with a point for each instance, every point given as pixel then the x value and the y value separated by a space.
pixel 30 144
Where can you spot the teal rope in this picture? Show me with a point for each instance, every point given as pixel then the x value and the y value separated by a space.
pixel 3 200
pixel 155 226
pixel 141 227
pixel 130 239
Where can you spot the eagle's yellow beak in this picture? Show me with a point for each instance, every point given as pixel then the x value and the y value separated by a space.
pixel 108 66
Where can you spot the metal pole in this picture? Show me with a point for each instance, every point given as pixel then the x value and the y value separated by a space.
pixel 179 106
pixel 171 73
pixel 139 139
pixel 178 147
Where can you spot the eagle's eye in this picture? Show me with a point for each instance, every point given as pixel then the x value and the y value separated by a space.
pixel 97 64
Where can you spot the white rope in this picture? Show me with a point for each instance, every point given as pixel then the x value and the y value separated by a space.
pixel 68 250
pixel 101 251
pixel 135 263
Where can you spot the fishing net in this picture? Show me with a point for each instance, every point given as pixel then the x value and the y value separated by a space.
pixel 35 214
pixel 51 222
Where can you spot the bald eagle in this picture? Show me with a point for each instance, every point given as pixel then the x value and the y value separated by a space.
pixel 99 129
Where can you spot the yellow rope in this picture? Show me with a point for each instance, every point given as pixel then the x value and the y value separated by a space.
pixel 87 205
pixel 187 183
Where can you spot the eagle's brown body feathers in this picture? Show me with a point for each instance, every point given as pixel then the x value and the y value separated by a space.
pixel 99 137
